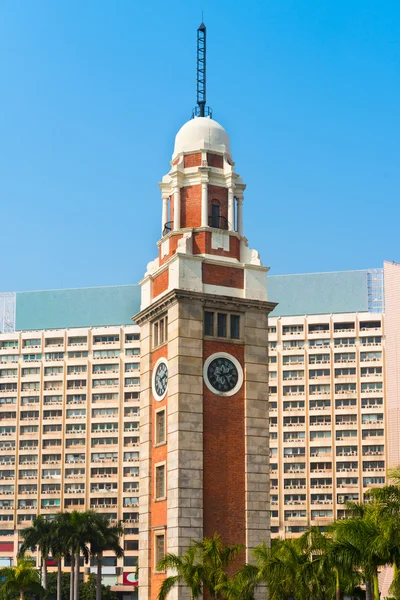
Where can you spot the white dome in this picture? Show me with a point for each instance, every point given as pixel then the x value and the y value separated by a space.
pixel 202 133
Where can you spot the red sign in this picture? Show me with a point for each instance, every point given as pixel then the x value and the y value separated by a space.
pixel 130 579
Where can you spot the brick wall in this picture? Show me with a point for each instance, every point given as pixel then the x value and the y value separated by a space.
pixel 191 206
pixel 215 160
pixel 225 276
pixel 192 160
pixel 160 283
pixel 158 509
pixel 202 245
pixel 224 456
pixel 173 244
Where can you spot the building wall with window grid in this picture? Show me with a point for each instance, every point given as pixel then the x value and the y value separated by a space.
pixel 69 429
pixel 327 416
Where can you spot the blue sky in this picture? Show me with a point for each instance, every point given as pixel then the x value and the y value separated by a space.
pixel 92 94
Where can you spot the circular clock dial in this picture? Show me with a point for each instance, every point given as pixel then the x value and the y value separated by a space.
pixel 160 379
pixel 223 374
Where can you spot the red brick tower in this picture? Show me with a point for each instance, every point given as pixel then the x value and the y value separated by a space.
pixel 204 375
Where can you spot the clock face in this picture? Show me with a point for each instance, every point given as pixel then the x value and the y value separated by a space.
pixel 223 374
pixel 160 379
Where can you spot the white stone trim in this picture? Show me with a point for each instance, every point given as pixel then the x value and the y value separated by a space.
pixel 239 369
pixel 157 397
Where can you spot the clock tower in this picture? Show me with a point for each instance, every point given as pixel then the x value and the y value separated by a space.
pixel 204 363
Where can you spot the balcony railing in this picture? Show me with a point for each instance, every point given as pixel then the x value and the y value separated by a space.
pixel 168 227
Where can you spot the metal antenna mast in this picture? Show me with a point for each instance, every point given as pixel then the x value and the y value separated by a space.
pixel 201 109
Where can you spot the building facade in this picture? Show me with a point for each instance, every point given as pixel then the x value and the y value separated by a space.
pixel 69 423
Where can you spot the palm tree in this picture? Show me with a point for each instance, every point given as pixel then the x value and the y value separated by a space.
pixel 40 535
pixel 74 530
pixel 386 505
pixel 104 536
pixel 60 546
pixel 203 565
pixel 281 566
pixel 216 559
pixel 189 572
pixel 360 543
pixel 21 579
pixel 242 585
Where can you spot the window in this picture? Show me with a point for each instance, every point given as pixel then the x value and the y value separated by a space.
pixel 208 323
pixel 54 355
pixel 132 381
pixel 318 343
pixel 159 548
pixel 160 427
pixel 160 482
pixel 30 343
pixel 221 324
pixel 9 358
pixel 105 368
pixel 294 359
pixel 132 351
pixel 8 400
pixel 316 327
pixel 52 400
pixel 32 357
pixel 132 337
pixel 53 370
pixel 292 329
pixel 106 396
pixel 345 357
pixel 30 371
pixel 288 345
pixel 160 331
pixel 106 339
pixel 78 354
pixel 131 396
pixel 224 325
pixel 235 327
pixel 9 344
pixel 77 340
pixel 104 412
pixel 74 369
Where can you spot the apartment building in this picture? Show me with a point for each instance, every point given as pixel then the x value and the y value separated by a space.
pixel 329 376
pixel 69 425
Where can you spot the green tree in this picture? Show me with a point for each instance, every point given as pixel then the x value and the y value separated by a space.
pixel 242 585
pixel 104 536
pixel 360 543
pixel 53 586
pixel 189 572
pixel 203 566
pixel 39 534
pixel 73 530
pixel 216 559
pixel 386 505
pixel 87 590
pixel 22 579
pixel 281 567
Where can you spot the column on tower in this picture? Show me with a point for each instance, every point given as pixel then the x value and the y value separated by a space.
pixel 177 208
pixel 231 208
pixel 165 199
pixel 204 195
pixel 239 200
